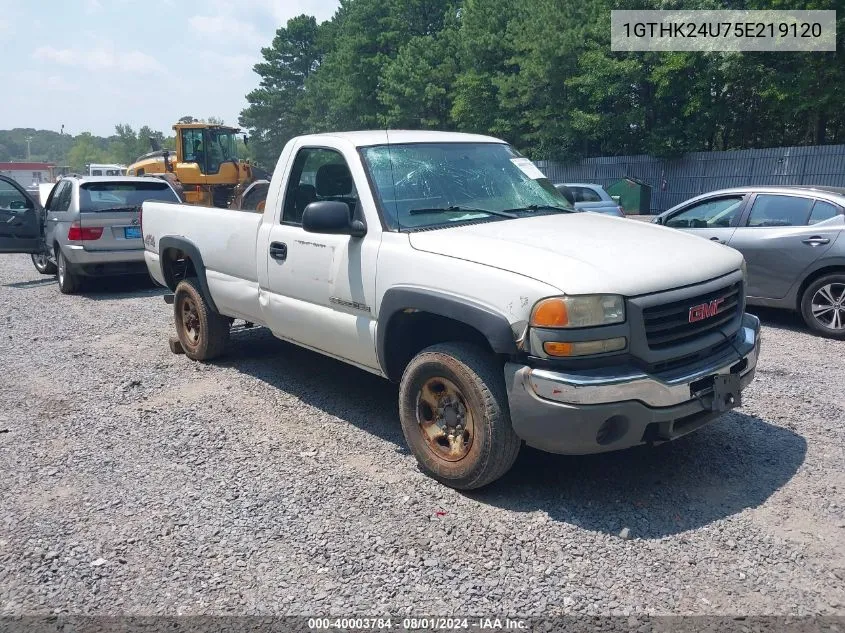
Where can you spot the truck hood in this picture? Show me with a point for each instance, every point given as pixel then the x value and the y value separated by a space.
pixel 585 253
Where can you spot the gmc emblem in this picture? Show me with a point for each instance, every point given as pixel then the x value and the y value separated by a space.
pixel 705 310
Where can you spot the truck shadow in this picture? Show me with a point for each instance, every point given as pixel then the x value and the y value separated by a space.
pixel 734 464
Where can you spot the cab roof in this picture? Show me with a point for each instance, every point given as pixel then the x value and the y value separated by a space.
pixel 366 138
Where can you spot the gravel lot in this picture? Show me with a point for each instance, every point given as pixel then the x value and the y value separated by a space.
pixel 276 482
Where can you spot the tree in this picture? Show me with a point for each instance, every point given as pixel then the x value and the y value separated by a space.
pixel 85 151
pixel 188 119
pixel 275 114
pixel 417 86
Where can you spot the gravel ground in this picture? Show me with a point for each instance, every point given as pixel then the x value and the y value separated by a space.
pixel 277 482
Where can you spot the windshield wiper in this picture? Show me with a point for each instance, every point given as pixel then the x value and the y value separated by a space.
pixel 107 209
pixel 458 209
pixel 533 208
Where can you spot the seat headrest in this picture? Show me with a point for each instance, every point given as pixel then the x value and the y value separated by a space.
pixel 306 192
pixel 333 180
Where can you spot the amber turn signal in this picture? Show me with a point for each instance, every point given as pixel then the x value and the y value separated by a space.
pixel 584 348
pixel 550 313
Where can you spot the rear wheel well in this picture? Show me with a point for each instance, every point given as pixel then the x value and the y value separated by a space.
pixel 410 332
pixel 176 265
pixel 812 277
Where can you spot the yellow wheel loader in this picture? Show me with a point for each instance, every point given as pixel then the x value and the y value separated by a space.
pixel 204 169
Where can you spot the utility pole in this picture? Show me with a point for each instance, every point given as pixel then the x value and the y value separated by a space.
pixel 28 151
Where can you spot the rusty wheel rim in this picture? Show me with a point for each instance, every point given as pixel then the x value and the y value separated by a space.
pixel 444 419
pixel 190 321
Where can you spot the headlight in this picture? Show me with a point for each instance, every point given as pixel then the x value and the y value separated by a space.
pixel 744 269
pixel 578 311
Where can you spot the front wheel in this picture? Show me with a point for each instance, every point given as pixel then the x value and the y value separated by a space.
pixel 42 263
pixel 823 306
pixel 455 418
pixel 202 332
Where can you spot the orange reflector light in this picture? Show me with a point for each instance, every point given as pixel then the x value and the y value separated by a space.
pixel 585 348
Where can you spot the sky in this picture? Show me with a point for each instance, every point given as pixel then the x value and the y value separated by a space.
pixel 91 64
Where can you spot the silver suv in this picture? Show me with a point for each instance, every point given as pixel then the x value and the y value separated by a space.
pixel 89 226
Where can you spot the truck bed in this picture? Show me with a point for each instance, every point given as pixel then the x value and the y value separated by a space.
pixel 225 239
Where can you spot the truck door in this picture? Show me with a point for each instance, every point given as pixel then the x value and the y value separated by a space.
pixel 321 288
pixel 21 219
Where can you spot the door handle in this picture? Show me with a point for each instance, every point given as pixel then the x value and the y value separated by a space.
pixel 716 239
pixel 278 251
pixel 816 240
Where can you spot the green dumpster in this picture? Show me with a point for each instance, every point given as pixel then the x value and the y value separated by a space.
pixel 634 195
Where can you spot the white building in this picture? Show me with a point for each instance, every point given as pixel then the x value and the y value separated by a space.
pixel 28 174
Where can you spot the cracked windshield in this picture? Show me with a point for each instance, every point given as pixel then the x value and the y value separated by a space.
pixel 427 185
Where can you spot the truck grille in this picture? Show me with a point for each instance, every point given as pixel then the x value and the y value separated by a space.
pixel 669 324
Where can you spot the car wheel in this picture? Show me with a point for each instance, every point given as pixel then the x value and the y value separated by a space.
pixel 202 332
pixel 823 306
pixel 455 417
pixel 42 264
pixel 68 280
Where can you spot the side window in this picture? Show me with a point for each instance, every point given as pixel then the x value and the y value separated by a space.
pixel 317 174
pixel 192 147
pixel 708 214
pixel 11 198
pixel 822 211
pixel 583 194
pixel 60 197
pixel 773 210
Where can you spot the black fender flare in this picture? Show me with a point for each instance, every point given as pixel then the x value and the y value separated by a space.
pixel 190 249
pixel 494 326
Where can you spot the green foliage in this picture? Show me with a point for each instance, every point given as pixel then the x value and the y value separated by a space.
pixel 123 147
pixel 540 74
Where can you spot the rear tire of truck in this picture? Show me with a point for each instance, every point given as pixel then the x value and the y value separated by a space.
pixel 202 332
pixel 823 306
pixel 455 417
pixel 69 281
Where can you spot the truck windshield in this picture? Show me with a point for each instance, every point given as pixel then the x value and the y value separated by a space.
pixel 422 185
pixel 108 196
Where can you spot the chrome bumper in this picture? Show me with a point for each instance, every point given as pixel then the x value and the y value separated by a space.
pixel 610 384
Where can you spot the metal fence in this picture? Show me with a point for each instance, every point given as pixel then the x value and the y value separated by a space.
pixel 676 180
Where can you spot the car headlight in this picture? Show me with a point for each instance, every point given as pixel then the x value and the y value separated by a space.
pixel 744 269
pixel 578 311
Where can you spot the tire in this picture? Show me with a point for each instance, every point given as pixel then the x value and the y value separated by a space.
pixel 823 306
pixel 69 281
pixel 471 383
pixel 42 264
pixel 202 332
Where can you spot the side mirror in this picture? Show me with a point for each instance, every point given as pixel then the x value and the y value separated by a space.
pixel 154 144
pixel 333 218
pixel 246 141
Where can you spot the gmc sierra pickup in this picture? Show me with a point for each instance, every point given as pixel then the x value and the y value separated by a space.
pixel 448 263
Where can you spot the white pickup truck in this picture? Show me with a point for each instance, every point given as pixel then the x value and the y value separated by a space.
pixel 448 263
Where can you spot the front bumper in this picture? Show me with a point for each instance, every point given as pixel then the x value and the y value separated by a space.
pixel 612 408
